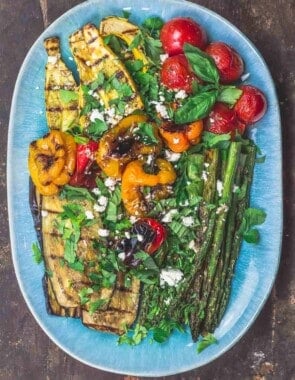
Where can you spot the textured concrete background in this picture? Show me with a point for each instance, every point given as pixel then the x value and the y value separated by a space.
pixel 267 351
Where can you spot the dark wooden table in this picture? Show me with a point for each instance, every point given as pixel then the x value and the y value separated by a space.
pixel 267 351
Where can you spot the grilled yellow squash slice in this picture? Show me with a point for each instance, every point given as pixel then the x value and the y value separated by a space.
pixel 125 30
pixel 60 114
pixel 94 57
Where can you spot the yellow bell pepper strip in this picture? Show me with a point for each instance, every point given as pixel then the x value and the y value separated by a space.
pixel 52 161
pixel 134 178
pixel 179 140
pixel 119 146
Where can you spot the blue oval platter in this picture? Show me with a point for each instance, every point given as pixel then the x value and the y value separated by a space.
pixel 257 264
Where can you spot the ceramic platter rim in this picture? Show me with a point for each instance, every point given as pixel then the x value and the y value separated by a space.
pixel 180 358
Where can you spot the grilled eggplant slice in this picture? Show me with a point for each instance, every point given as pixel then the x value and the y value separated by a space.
pixel 64 284
pixel 94 57
pixel 53 307
pixel 60 115
pixel 121 312
pixel 122 28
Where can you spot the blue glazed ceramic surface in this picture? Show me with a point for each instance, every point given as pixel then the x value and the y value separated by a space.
pixel 257 265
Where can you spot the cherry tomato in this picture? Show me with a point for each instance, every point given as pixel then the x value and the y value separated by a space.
pixel 160 235
pixel 176 74
pixel 223 119
pixel 227 60
pixel 178 31
pixel 86 168
pixel 251 106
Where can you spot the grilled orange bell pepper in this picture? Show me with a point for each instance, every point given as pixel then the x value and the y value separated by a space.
pixel 118 146
pixel 180 140
pixel 52 160
pixel 134 178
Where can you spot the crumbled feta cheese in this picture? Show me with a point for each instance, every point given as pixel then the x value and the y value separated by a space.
pixel 162 98
pixel 96 191
pixel 192 245
pixel 52 59
pixel 175 140
pixel 127 235
pixel 187 221
pixel 103 232
pixel 221 208
pixel 206 164
pixel 236 189
pixel 133 219
pixel 204 175
pixel 96 114
pixel 171 156
pixel 110 183
pixel 140 237
pixel 245 77
pixel 102 200
pixel 167 301
pixel 219 186
pixel 89 214
pixel 90 92
pixel 161 109
pixel 167 218
pixel 181 94
pixel 170 276
pixel 99 208
pixel 163 57
pixel 149 159
pixel 44 213
pixel 122 256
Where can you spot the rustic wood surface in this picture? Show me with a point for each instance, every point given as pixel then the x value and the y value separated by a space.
pixel 267 351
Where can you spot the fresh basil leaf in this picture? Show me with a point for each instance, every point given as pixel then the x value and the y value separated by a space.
pixel 252 236
pixel 67 96
pixel 83 294
pixel 229 94
pixel 160 335
pixel 207 341
pixel 77 266
pixel 153 48
pixel 96 129
pixel 153 23
pixel 146 133
pixel 126 14
pixel 98 81
pixel 96 305
pixel 73 193
pixel 195 108
pixel 134 65
pixel 202 64
pixel 37 254
pixel 70 250
pixel 252 217
pixel 137 40
pixel 255 216
pixel 117 45
pixel 113 203
pixel 212 140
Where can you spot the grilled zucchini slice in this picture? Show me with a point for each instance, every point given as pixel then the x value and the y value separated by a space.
pixel 122 28
pixel 93 57
pixel 60 115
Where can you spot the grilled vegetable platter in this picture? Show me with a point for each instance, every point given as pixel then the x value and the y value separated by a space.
pixel 140 189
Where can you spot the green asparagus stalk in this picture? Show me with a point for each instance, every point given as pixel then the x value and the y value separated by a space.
pixel 214 253
pixel 243 204
pixel 219 280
